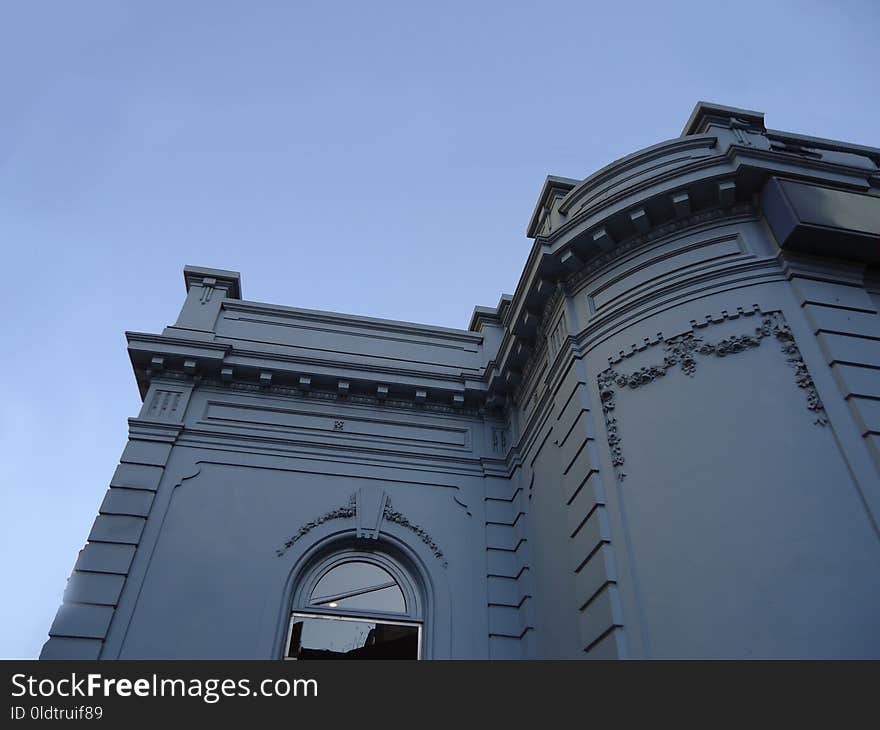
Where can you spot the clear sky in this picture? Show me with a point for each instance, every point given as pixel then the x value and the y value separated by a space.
pixel 367 157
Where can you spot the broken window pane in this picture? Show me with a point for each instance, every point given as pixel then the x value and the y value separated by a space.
pixel 318 637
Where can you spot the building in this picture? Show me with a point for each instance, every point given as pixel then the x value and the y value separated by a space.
pixel 664 444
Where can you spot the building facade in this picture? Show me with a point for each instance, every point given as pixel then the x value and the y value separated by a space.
pixel 664 444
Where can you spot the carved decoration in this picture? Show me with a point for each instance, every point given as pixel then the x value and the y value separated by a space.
pixel 682 352
pixel 570 284
pixel 208 285
pixel 741 130
pixel 556 296
pixel 164 404
pixel 399 518
pixel 499 440
pixel 340 513
pixel 350 510
pixel 462 505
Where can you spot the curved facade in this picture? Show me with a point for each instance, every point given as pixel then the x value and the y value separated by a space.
pixel 664 444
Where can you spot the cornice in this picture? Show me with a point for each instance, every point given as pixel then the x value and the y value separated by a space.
pixel 175 343
pixel 660 205
pixel 348 398
pixel 706 112
pixel 199 275
pixel 490 315
pixel 740 211
pixel 349 320
pixel 169 356
pixel 242 381
pixel 718 165
pixel 522 334
pixel 850 176
pixel 873 153
pixel 554 187
pixel 614 171
pixel 239 356
pixel 709 174
pixel 144 429
pixel 639 194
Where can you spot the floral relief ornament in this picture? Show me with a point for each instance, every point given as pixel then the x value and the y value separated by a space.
pixel 392 515
pixel 681 351
pixel 349 510
pixel 340 513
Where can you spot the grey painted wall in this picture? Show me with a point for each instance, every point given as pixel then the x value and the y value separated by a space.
pixel 665 443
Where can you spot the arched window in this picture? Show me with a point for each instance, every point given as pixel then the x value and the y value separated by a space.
pixel 356 605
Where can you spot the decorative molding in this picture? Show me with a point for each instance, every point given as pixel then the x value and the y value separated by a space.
pixel 609 177
pixel 145 429
pixel 742 131
pixel 229 282
pixel 344 512
pixel 164 404
pixel 392 515
pixel 531 374
pixel 572 282
pixel 557 296
pixel 370 507
pixel 540 356
pixel 328 395
pixel 681 351
pixel 462 505
pixel 208 284
pixel 194 471
pixel 356 507
pixel 570 285
pixel 499 440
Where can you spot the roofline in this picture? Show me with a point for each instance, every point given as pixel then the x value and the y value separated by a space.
pixel 704 110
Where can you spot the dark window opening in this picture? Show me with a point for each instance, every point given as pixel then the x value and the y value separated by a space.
pixel 332 637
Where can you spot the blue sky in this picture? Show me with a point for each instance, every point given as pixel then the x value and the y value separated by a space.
pixel 374 158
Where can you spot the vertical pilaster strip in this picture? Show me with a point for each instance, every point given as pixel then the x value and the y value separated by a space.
pixel 509 595
pixel 600 615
